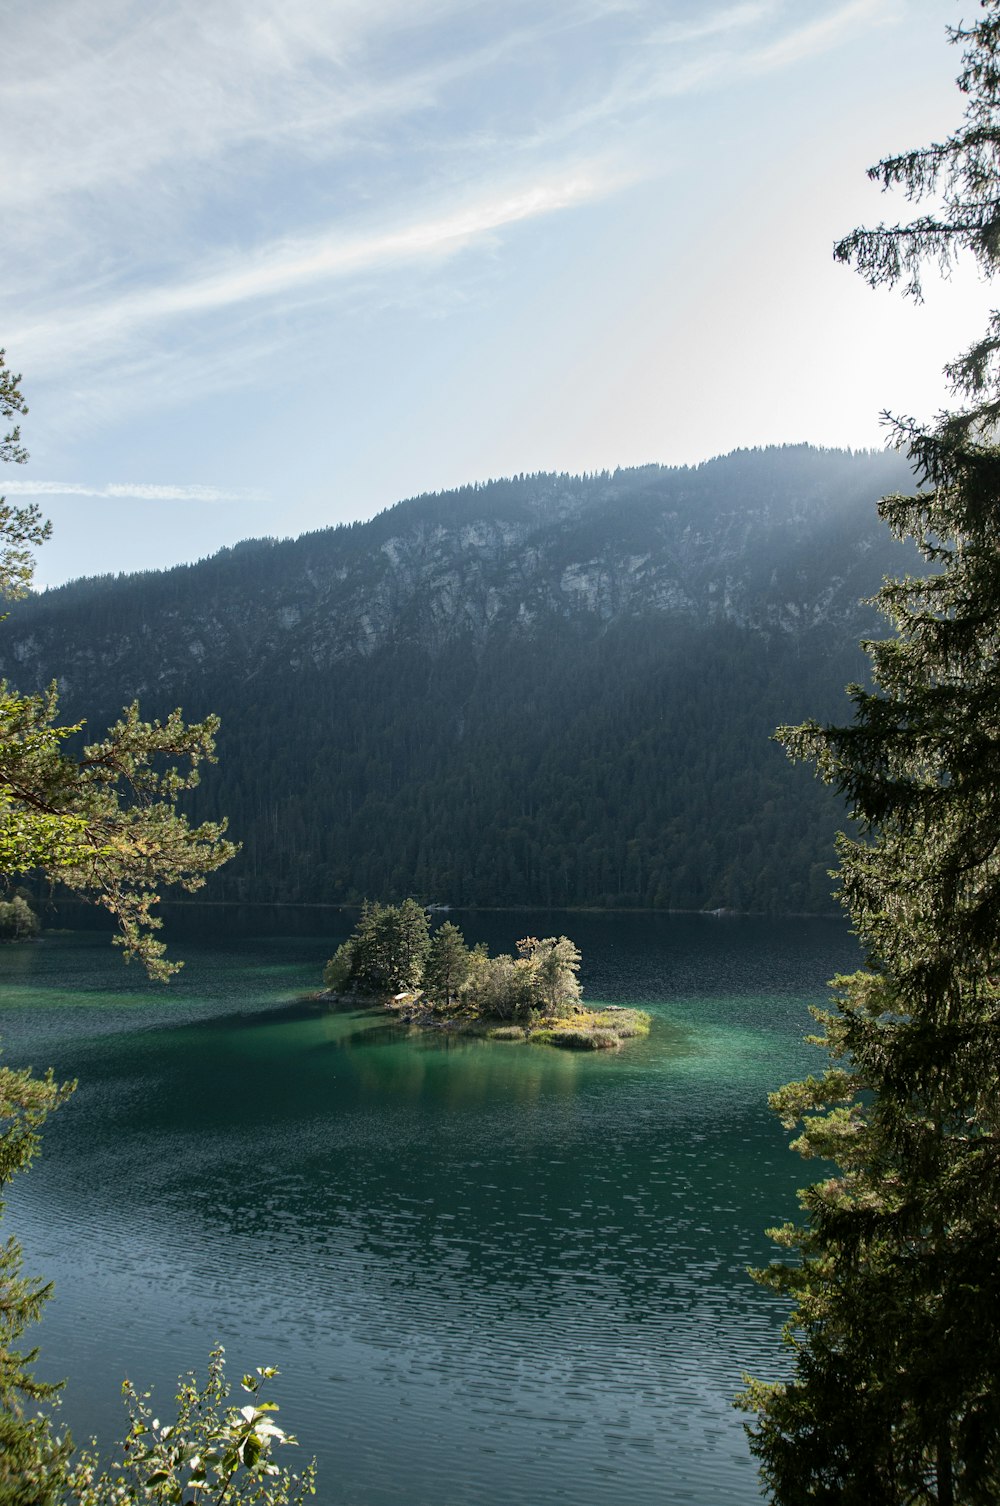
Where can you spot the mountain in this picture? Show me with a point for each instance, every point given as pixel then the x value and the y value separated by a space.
pixel 550 690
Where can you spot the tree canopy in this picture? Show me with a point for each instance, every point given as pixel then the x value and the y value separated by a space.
pixel 104 821
pixel 959 181
pixel 895 1389
pixel 392 951
pixel 557 758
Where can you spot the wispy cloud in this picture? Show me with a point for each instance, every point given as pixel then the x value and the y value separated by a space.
pixel 822 33
pixel 285 267
pixel 708 52
pixel 720 23
pixel 192 169
pixel 241 86
pixel 189 82
pixel 139 491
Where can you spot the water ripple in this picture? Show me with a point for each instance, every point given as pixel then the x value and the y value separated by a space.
pixel 489 1273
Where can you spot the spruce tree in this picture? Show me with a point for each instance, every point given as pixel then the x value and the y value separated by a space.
pixel 896 1334
pixel 33 1457
pixel 895 1390
pixel 386 953
pixel 447 965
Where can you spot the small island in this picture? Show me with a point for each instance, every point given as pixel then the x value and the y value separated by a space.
pixel 435 980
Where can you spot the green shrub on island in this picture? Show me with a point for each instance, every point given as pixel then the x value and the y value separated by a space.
pixel 591 1030
pixel 18 921
pixel 437 979
pixel 575 1038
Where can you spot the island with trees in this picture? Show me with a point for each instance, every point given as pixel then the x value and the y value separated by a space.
pixel 433 979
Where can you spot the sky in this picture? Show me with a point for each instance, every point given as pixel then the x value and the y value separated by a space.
pixel 271 265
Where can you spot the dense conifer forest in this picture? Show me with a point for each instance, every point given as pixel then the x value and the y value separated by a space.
pixel 551 691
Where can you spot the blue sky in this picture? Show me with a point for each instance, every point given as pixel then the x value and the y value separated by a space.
pixel 274 264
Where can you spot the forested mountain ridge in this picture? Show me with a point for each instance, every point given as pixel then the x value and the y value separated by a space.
pixel 552 689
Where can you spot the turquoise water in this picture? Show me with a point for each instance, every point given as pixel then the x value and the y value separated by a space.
pixel 488 1273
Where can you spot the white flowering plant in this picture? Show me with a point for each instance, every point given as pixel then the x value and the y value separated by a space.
pixel 213 1454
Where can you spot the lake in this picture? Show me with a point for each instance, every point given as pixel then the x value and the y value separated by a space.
pixel 488 1273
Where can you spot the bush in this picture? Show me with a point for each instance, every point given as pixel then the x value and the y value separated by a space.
pixel 18 921
pixel 213 1447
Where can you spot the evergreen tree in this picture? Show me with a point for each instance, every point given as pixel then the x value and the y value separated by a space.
pixel 412 942
pixel 339 971
pixel 963 173
pixel 386 953
pixel 895 1393
pixel 447 966
pixel 366 973
pixel 106 823
pixel 32 1458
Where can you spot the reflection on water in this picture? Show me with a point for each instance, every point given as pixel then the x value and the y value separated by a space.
pixel 489 1273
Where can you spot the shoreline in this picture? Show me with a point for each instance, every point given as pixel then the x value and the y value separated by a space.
pixel 527 909
pixel 606 1028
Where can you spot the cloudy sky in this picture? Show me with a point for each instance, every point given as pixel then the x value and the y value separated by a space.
pixel 274 264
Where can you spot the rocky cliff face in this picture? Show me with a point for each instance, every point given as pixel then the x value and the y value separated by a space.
pixel 776 542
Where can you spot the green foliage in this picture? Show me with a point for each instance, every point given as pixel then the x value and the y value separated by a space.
pixel 105 822
pixel 18 921
pixel 589 1029
pixel 501 988
pixel 392 952
pixel 447 966
pixel 626 1023
pixel 211 1452
pixel 338 971
pixel 32 1456
pixel 387 950
pixel 12 452
pixel 895 1280
pixel 575 1039
pixel 959 176
pixel 540 981
pixel 895 1391
pixel 21 528
pixel 554 964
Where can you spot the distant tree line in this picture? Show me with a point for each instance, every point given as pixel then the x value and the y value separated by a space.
pixel 614 762
pixel 636 770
